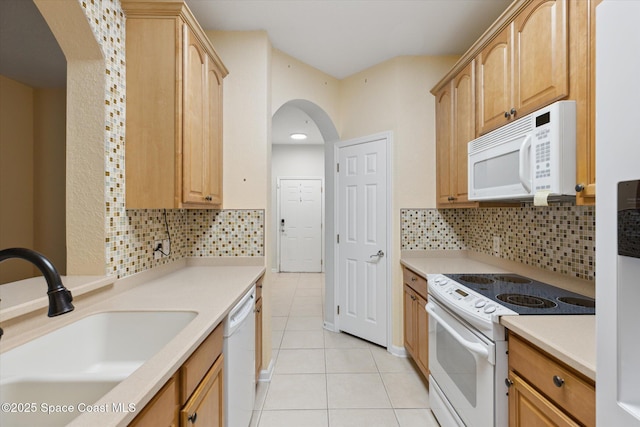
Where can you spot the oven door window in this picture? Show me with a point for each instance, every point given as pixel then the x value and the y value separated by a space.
pixel 458 363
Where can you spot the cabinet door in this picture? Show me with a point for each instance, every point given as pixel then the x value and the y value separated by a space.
pixel 195 146
pixel 422 335
pixel 583 53
pixel 527 407
pixel 444 135
pixel 410 321
pixel 464 126
pixel 206 405
pixel 214 129
pixel 162 411
pixel 540 70
pixel 494 82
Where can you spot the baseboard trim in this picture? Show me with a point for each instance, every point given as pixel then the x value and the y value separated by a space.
pixel 330 327
pixel 266 374
pixel 397 351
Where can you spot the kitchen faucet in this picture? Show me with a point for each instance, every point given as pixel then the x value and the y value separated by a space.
pixel 59 297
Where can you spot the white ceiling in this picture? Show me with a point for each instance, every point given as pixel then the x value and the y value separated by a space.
pixel 342 37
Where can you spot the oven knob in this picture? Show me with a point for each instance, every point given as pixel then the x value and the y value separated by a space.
pixel 480 303
pixel 490 308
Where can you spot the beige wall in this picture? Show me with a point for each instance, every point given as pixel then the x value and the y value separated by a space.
pixel 292 79
pixel 49 179
pixel 16 174
pixel 247 116
pixel 32 175
pixel 394 96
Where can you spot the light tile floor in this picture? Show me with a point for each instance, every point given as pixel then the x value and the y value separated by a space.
pixel 325 379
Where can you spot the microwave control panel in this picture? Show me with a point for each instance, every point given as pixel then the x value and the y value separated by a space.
pixel 542 156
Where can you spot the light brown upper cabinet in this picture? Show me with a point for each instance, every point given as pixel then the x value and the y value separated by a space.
pixel 535 53
pixel 455 117
pixel 174 109
pixel 525 67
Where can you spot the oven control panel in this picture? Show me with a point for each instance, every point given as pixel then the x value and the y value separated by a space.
pixel 465 302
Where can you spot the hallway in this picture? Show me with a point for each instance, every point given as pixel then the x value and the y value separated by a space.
pixel 325 379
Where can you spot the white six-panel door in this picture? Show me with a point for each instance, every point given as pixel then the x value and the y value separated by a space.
pixel 300 225
pixel 362 232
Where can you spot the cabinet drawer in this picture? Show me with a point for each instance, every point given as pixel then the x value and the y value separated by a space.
pixel 574 394
pixel 195 368
pixel 415 282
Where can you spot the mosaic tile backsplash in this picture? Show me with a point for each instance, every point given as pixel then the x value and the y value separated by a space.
pixel 130 234
pixel 558 238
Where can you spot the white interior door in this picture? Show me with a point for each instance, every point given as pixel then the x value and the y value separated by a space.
pixel 300 225
pixel 362 238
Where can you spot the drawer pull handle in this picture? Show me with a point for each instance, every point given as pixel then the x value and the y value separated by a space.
pixel 559 382
pixel 193 417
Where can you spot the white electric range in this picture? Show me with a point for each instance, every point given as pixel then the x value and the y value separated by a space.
pixel 467 345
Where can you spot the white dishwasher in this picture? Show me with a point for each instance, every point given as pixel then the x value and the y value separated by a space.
pixel 239 362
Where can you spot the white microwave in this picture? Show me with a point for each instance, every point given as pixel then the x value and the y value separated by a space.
pixel 535 154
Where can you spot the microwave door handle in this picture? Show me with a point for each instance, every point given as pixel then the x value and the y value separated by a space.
pixel 476 348
pixel 525 179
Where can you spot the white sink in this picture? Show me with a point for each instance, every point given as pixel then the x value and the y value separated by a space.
pixel 52 402
pixel 81 362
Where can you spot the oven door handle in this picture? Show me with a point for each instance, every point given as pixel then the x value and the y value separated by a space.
pixel 479 349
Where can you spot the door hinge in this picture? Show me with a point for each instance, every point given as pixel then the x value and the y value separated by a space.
pixel 338 238
pixel 338 310
pixel 337 167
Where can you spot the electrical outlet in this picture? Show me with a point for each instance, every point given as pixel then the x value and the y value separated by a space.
pixel 496 245
pixel 166 247
pixel 157 247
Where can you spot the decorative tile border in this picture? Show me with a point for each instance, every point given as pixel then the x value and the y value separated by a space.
pixel 559 238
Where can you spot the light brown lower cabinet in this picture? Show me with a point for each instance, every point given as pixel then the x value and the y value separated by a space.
pixel 527 407
pixel 544 391
pixel 194 393
pixel 162 411
pixel 416 321
pixel 205 407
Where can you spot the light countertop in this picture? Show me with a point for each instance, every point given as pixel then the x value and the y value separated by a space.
pixel 570 339
pixel 210 291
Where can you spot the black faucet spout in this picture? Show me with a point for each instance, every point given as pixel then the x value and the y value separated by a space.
pixel 59 297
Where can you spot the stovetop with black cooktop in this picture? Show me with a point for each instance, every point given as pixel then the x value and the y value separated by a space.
pixel 524 295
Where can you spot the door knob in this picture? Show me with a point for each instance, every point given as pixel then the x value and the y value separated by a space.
pixel 380 254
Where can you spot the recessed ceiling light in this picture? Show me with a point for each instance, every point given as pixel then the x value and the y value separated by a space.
pixel 298 136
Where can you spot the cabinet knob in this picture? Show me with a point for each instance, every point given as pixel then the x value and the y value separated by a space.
pixel 413 298
pixel 451 198
pixel 193 417
pixel 579 188
pixel 208 198
pixel 507 114
pixel 558 381
pixel 513 111
pixel 508 382
pixel 414 278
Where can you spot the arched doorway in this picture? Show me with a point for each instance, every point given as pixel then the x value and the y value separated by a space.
pixel 327 132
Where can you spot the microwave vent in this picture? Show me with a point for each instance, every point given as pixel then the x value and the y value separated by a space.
pixel 499 136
